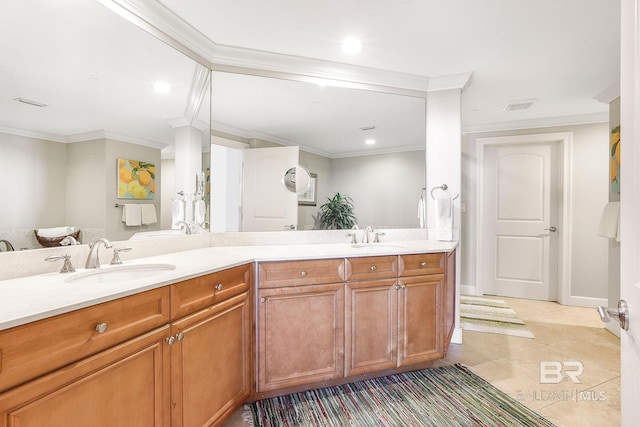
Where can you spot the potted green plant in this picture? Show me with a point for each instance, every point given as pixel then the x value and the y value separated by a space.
pixel 337 213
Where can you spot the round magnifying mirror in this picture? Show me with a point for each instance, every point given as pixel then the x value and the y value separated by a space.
pixel 297 180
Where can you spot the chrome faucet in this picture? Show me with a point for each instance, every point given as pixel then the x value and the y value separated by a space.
pixel 93 261
pixel 187 227
pixel 8 245
pixel 69 240
pixel 365 236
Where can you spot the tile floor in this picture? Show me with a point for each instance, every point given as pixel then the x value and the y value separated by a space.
pixel 512 364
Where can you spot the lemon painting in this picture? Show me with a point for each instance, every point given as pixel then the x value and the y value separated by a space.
pixel 136 179
pixel 614 157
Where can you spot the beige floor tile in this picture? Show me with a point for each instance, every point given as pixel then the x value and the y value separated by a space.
pixel 598 406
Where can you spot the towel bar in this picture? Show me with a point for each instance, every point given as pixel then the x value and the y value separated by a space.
pixel 442 187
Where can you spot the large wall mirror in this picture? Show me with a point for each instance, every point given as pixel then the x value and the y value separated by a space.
pixel 365 144
pixel 76 94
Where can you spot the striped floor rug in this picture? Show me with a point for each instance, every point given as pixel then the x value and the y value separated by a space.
pixel 491 315
pixel 439 397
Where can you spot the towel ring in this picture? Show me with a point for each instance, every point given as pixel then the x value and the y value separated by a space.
pixel 442 187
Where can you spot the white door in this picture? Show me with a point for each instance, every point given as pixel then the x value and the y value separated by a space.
pixel 520 212
pixel 629 203
pixel 266 204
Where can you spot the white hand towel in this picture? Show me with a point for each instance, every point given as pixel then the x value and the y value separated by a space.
pixel 131 214
pixel 56 231
pixel 200 212
pixel 421 216
pixel 443 220
pixel 609 226
pixel 148 213
pixel 177 213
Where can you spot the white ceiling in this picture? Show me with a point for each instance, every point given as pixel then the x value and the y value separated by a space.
pixel 561 52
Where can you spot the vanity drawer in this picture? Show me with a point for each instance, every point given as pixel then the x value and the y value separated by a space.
pixel 422 264
pixel 377 267
pixel 293 273
pixel 31 350
pixel 195 294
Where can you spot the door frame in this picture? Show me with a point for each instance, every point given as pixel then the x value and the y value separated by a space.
pixel 565 141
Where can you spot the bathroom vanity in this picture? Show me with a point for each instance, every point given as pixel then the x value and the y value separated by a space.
pixel 188 346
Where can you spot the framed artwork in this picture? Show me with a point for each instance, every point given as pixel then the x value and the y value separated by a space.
pixel 614 156
pixel 310 197
pixel 136 179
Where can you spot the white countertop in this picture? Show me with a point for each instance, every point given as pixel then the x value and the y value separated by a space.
pixel 27 299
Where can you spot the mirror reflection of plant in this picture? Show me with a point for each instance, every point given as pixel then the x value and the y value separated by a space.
pixel 337 213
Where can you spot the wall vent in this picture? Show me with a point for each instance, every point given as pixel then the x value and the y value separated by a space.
pixel 519 104
pixel 30 102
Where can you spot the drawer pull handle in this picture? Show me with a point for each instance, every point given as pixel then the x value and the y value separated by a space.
pixel 303 273
pixel 218 287
pixel 423 264
pixel 180 336
pixel 262 300
pixel 102 328
pixel 373 268
pixel 170 340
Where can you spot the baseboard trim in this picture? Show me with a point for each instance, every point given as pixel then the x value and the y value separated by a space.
pixel 587 302
pixel 468 290
pixel 456 337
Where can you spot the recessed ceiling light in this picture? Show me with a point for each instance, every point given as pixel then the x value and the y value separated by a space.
pixel 352 45
pixel 370 141
pixel 161 87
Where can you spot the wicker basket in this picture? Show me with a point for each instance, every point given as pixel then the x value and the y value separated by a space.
pixel 49 242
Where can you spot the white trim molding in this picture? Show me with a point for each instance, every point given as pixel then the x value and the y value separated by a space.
pixel 566 146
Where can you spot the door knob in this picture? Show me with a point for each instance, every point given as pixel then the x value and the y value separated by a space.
pixel 551 229
pixel 622 314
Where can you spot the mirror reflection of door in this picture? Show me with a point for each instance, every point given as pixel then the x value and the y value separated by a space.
pixel 267 205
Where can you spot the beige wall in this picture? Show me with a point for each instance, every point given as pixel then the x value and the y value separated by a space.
pixel 33 189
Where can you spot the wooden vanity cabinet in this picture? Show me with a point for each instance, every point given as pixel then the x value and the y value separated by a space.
pixel 210 348
pixel 124 382
pixel 371 314
pixel 422 307
pixel 300 329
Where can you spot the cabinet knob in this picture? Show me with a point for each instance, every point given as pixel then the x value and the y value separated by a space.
pixel 170 340
pixel 403 286
pixel 180 336
pixel 218 287
pixel 373 268
pixel 396 287
pixel 262 300
pixel 423 264
pixel 303 273
pixel 102 328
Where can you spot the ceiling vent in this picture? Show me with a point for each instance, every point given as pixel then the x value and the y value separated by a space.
pixel 30 102
pixel 519 104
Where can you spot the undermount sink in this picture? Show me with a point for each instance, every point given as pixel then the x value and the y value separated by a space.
pixel 119 273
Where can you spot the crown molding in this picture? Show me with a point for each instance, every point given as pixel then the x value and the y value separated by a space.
pixel 106 134
pixel 32 134
pixel 452 81
pixel 581 119
pixel 609 94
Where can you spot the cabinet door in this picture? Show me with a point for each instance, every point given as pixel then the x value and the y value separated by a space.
pixel 300 335
pixel 420 319
pixel 210 363
pixel 127 385
pixel 371 326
